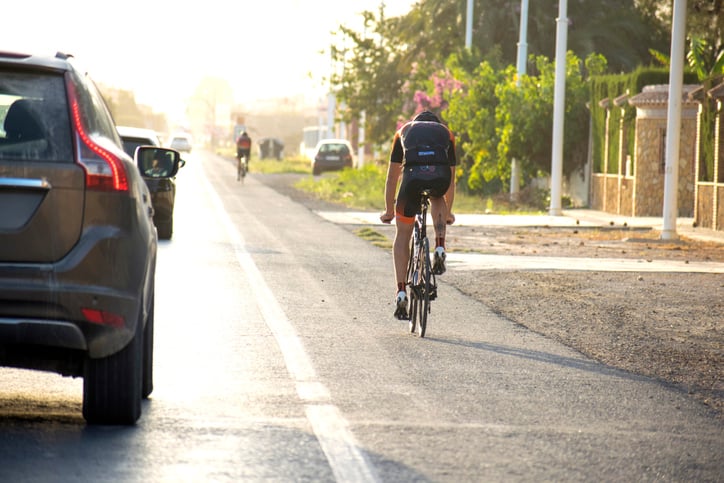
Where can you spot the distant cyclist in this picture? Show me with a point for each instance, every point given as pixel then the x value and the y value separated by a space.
pixel 243 147
pixel 423 153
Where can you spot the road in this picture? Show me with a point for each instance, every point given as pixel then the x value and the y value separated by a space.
pixel 277 359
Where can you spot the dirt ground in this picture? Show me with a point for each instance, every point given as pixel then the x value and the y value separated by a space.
pixel 667 326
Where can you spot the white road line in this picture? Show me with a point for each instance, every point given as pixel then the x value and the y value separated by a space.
pixel 346 459
pixel 338 444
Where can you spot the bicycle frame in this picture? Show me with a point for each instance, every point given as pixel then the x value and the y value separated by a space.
pixel 420 278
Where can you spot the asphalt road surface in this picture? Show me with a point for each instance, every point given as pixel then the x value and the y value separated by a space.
pixel 278 359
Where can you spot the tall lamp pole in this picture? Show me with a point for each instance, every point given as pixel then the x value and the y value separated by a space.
pixel 673 122
pixel 469 26
pixel 522 60
pixel 559 109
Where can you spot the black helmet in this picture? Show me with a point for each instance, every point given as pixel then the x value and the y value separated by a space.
pixel 427 116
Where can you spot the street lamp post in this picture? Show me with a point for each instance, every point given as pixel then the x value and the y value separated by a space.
pixel 469 26
pixel 673 122
pixel 522 61
pixel 559 109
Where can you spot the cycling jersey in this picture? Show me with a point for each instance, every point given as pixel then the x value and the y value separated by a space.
pixel 426 150
pixel 423 142
pixel 243 142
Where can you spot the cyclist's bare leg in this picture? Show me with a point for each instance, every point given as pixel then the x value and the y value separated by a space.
pixel 400 258
pixel 438 210
pixel 401 250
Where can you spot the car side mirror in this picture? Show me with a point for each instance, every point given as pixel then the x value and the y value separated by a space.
pixel 155 162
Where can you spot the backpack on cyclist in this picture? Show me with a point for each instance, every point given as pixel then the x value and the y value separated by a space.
pixel 243 142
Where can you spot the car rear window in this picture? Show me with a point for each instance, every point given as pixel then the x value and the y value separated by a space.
pixel 131 143
pixel 334 149
pixel 34 122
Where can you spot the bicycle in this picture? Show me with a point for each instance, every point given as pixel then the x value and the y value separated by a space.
pixel 241 167
pixel 420 279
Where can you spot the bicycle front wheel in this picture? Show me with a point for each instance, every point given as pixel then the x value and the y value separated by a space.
pixel 411 270
pixel 425 285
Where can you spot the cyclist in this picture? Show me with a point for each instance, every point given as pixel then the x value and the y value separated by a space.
pixel 243 147
pixel 423 154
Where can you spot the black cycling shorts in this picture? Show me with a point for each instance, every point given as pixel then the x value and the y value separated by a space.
pixel 415 179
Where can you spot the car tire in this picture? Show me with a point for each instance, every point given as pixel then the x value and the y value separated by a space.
pixel 147 376
pixel 316 171
pixel 112 385
pixel 165 230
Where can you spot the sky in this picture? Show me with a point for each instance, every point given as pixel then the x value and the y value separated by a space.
pixel 161 49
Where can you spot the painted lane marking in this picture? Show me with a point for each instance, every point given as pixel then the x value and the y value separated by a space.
pixel 343 453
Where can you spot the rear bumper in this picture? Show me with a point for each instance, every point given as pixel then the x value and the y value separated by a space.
pixel 42 304
pixel 331 165
pixel 36 317
pixel 64 335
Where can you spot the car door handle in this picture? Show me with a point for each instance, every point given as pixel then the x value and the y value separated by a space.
pixel 39 184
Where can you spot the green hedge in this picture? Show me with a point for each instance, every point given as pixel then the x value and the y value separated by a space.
pixel 611 87
pixel 706 136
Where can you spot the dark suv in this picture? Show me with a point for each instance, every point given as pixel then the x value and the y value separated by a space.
pixel 162 188
pixel 77 240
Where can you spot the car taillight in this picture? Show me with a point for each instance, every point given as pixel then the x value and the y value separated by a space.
pixel 104 171
pixel 102 317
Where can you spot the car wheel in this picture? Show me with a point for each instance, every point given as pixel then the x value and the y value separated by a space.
pixel 165 230
pixel 112 385
pixel 316 171
pixel 147 377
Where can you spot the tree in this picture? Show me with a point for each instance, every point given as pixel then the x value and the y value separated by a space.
pixel 126 112
pixel 435 29
pixel 393 58
pixel 123 106
pixel 209 107
pixel 704 18
pixel 371 77
pixel 704 59
pixel 502 116
pixel 400 65
pixel 471 115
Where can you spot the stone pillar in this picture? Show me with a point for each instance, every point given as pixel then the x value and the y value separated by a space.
pixel 651 111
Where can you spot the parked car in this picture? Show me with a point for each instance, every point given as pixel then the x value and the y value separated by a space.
pixel 134 137
pixel 163 188
pixel 77 242
pixel 180 142
pixel 331 155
